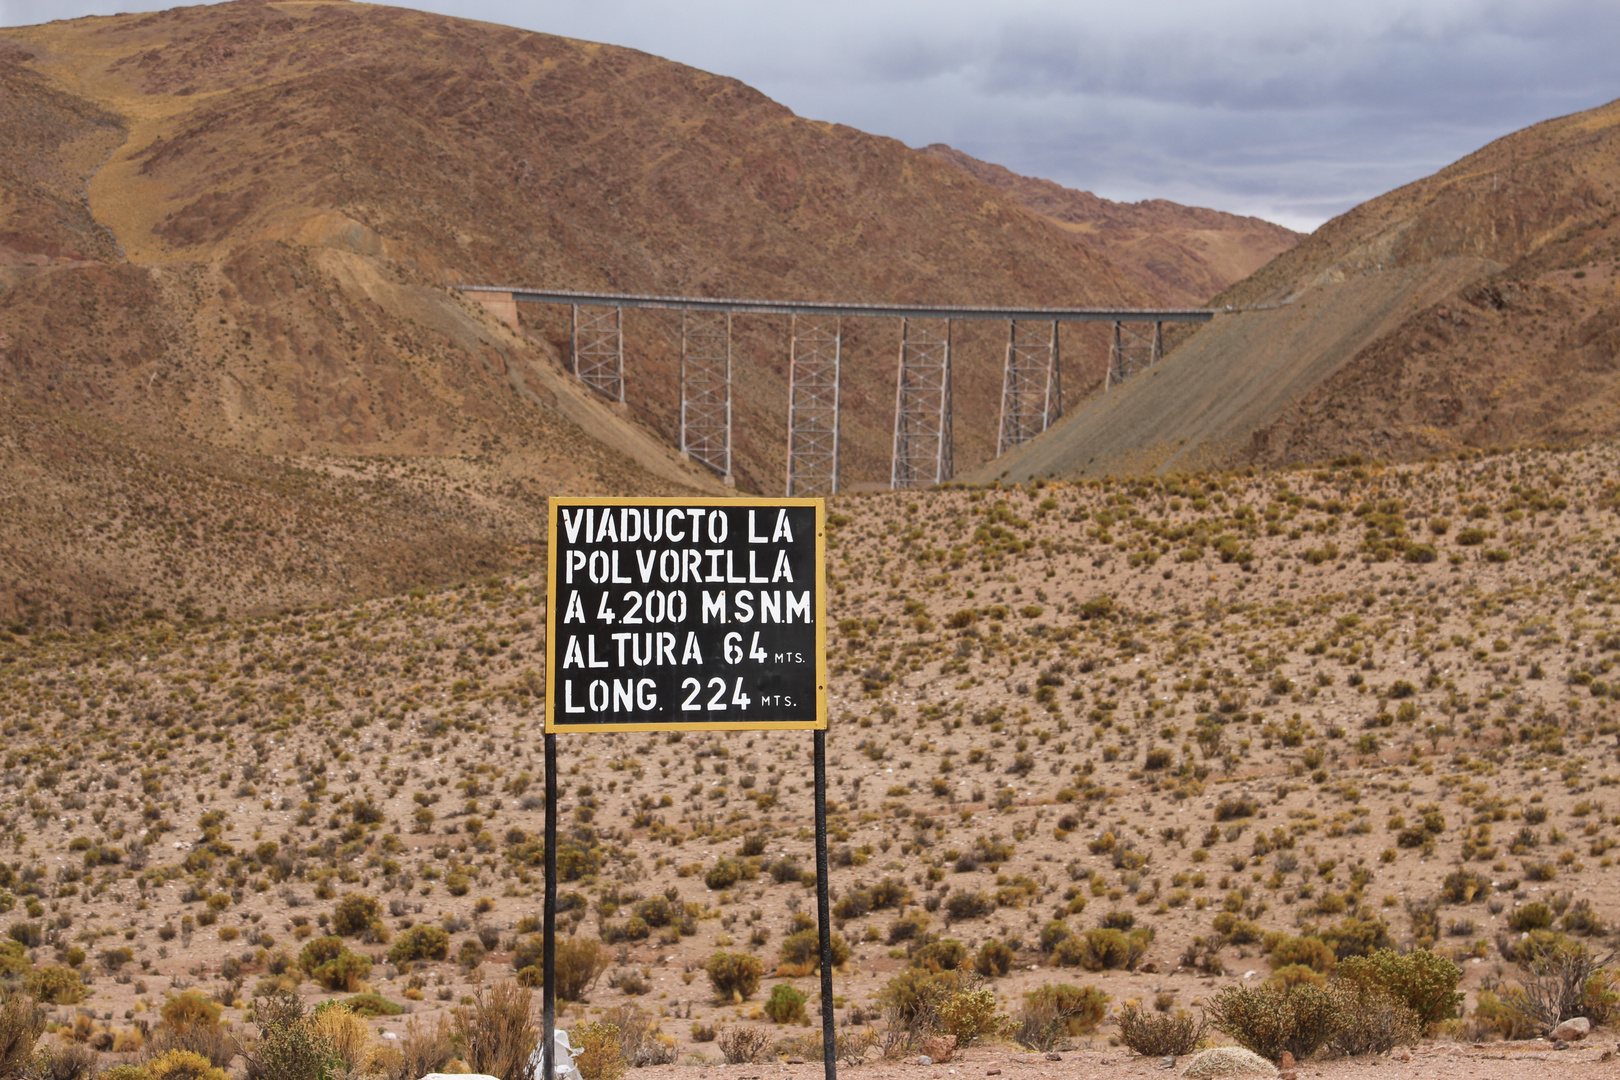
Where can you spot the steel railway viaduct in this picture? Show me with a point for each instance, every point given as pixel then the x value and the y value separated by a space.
pixel 1031 394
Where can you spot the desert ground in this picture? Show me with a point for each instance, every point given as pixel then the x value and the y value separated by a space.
pixel 1339 701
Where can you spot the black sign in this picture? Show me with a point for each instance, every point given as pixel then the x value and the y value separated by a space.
pixel 686 613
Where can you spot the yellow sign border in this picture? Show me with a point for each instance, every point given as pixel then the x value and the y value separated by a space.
pixel 819 723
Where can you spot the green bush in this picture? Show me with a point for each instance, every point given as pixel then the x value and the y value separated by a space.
pixel 941 954
pixel 734 976
pixel 1371 1021
pixel 1154 1034
pixel 14 962
pixel 723 874
pixel 22 1022
pixel 1505 1015
pixel 424 941
pixel 183 1065
pixel 580 962
pixel 969 1015
pixel 802 950
pixel 1424 982
pixel 597 1053
pixel 289 1047
pixel 786 1005
pixel 1236 807
pixel 1532 916
pixel 1289 974
pixel 968 905
pixel 916 993
pixel 329 962
pixel 1310 951
pixel 124 1072
pixel 371 1006
pixel 1053 933
pixel 1103 949
pixel 1464 887
pixel 994 959
pixel 190 1009
pixel 1079 1009
pixel 55 984
pixel 1270 1019
pixel 354 914
pixel 1356 936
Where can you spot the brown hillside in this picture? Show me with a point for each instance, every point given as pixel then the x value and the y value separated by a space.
pixel 1182 255
pixel 1476 307
pixel 227 233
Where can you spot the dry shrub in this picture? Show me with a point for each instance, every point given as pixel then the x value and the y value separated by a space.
pixel 786 1005
pixel 1153 1034
pixel 183 1065
pixel 853 1046
pixel 1271 1019
pixel 640 1039
pixel 425 1048
pixel 580 962
pixel 969 1015
pixel 288 1047
pixel 123 1072
pixel 1600 999
pixel 213 1042
pixel 1423 981
pixel 1056 1012
pixel 496 1031
pixel 1373 1021
pixel 348 1036
pixel 596 1051
pixel 734 976
pixel 742 1045
pixel 1103 949
pixel 21 1023
pixel 1500 1016
pixel 73 1061
pixel 1556 985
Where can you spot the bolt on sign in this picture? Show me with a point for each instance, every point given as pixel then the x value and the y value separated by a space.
pixel 687 614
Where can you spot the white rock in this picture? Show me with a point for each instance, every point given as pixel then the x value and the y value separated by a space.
pixel 1572 1030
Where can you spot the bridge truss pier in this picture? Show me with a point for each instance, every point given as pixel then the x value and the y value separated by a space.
pixel 1132 352
pixel 1031 384
pixel 596 349
pixel 706 389
pixel 813 373
pixel 922 410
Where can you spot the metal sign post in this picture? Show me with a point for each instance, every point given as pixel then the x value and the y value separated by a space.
pixel 686 615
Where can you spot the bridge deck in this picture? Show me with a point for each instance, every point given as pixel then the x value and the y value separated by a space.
pixel 810 307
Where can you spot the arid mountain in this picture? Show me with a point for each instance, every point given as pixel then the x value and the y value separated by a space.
pixel 1474 308
pixel 226 235
pixel 1182 255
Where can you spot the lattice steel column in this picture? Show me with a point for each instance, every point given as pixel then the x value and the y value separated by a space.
pixel 922 409
pixel 596 342
pixel 812 466
pixel 706 388
pixel 1132 352
pixel 1031 393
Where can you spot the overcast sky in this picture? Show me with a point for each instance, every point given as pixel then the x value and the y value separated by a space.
pixel 1294 110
